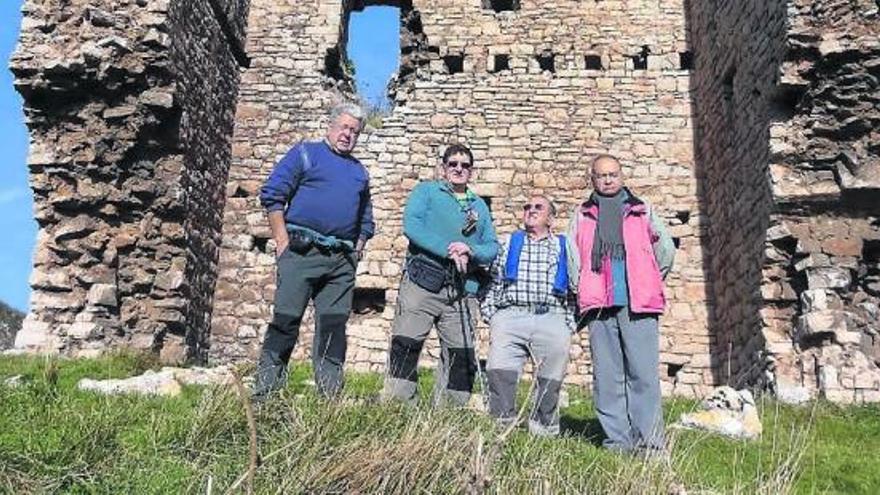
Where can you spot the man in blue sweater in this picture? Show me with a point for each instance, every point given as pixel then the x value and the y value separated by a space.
pixel 320 213
pixel 450 235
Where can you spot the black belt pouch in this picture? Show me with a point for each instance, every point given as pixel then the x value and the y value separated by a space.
pixel 300 241
pixel 427 274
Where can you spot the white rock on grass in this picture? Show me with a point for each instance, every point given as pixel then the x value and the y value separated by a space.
pixel 221 375
pixel 728 412
pixel 168 382
pixel 14 381
pixel 162 383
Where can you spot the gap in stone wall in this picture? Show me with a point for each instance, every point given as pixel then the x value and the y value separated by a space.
pixel 593 62
pixel 784 102
pixel 367 303
pixel 373 48
pixel 239 192
pixel 640 60
pixel 500 62
pixel 501 5
pixel 488 201
pixel 334 70
pixel 547 62
pixel 683 216
pixel 672 369
pixel 728 91
pixel 686 60
pixel 454 63
pixel 261 243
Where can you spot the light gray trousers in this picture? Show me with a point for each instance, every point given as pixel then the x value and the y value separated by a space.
pixel 517 335
pixel 626 382
pixel 418 310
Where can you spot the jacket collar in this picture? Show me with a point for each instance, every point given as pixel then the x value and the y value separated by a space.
pixel 446 187
pixel 632 204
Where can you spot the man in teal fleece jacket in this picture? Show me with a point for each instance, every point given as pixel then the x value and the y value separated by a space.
pixel 450 236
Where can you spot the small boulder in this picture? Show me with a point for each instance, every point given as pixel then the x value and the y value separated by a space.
pixel 162 383
pixel 728 412
pixel 221 375
pixel 14 381
pixel 168 382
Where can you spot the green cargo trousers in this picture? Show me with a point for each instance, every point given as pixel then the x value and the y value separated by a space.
pixel 326 277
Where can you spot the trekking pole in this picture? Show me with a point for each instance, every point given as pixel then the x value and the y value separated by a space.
pixel 468 328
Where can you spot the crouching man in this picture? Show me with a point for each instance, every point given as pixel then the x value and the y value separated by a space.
pixel 530 310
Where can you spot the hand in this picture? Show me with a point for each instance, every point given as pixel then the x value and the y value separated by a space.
pixel 281 245
pixel 359 248
pixel 460 261
pixel 458 248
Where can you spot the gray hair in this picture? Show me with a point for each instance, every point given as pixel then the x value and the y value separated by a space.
pixel 602 157
pixel 350 109
pixel 549 202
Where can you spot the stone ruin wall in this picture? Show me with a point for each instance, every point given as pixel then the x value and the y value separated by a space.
pixel 529 128
pixel 130 106
pixel 788 113
pixel 775 209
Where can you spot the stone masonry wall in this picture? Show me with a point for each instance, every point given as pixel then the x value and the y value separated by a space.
pixel 738 47
pixel 130 107
pixel 786 98
pixel 532 128
pixel 824 244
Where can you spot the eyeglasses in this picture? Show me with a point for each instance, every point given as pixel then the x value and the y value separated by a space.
pixel 463 165
pixel 535 206
pixel 611 176
pixel 339 127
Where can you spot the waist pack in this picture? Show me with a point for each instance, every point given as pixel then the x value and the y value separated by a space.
pixel 427 274
pixel 300 241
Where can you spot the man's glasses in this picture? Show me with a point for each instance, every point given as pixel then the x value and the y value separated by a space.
pixel 609 176
pixel 531 206
pixel 462 165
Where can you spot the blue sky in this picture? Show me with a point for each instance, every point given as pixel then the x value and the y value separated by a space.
pixel 16 206
pixel 374 47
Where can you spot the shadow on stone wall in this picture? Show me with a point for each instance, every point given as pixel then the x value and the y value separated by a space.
pixel 738 49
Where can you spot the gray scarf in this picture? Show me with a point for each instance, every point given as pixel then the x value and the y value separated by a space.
pixel 608 239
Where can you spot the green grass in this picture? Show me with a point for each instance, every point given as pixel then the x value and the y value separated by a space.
pixel 55 439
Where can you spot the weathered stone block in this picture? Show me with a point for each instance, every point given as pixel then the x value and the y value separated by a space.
pixel 828 278
pixel 103 295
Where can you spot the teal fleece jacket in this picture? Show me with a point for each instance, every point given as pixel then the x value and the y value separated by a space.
pixel 433 218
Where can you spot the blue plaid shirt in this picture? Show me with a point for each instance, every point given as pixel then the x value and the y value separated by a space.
pixel 534 284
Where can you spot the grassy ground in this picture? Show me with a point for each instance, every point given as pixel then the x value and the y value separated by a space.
pixel 56 439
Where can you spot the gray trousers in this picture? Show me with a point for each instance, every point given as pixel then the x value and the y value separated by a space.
pixel 516 335
pixel 626 382
pixel 418 310
pixel 326 277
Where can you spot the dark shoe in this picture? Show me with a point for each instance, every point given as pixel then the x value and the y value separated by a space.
pixel 270 378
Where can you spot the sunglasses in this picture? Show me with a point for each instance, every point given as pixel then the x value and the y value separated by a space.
pixel 463 165
pixel 535 206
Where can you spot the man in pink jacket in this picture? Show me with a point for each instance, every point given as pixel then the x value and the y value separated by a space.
pixel 619 255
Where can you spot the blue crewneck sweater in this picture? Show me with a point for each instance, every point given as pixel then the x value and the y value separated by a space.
pixel 331 196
